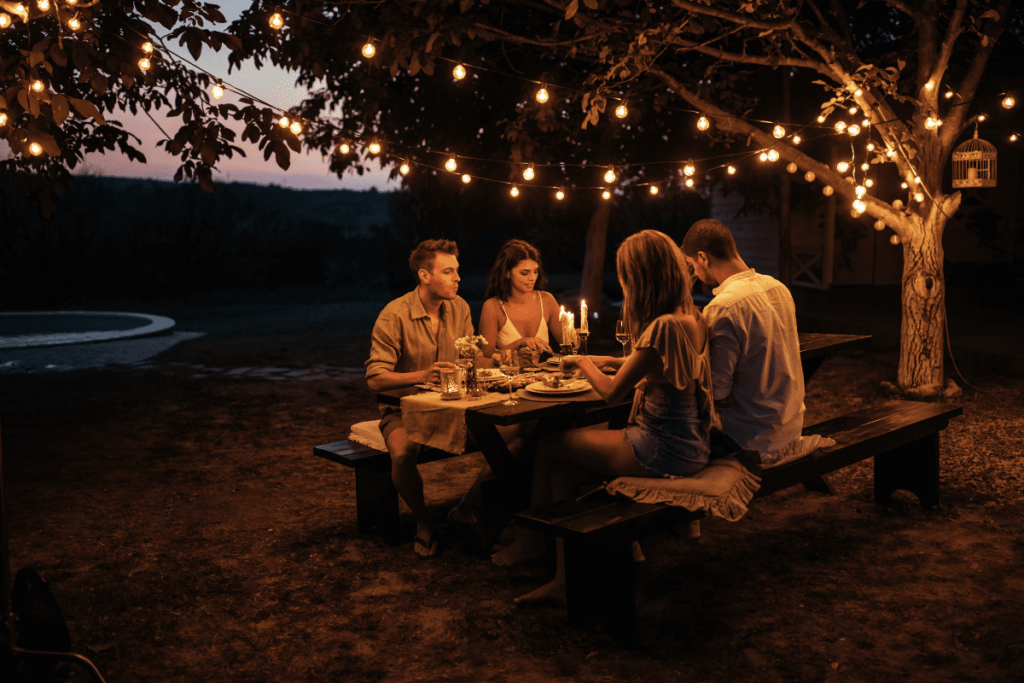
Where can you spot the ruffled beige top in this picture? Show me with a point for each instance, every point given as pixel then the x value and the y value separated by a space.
pixel 681 363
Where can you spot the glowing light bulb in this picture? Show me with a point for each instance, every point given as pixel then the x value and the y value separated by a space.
pixel 854 130
pixel 827 190
pixel 609 175
pixel 763 156
pixel 860 191
pixel 217 91
pixel 654 189
pixel 296 128
pixel 894 240
pixel 72 2
pixel 560 195
pixel 284 122
pixel 689 182
pixel 865 122
pixel 344 148
pixel 450 164
pixel 809 176
pixel 703 123
pixel 929 85
pixel 74 24
pixel 841 127
pixel 859 206
pixel 528 173
pixel 917 180
pixel 35 148
pixel 897 204
pixel 858 92
pixel 791 167
pixel 374 147
pixel 904 185
pixel 842 166
pixel 606 195
pixel 949 94
pixel 865 166
pixel 779 132
pixel 1008 102
pixel 796 139
pixel 931 123
pixel 773 155
pixel 821 118
pixel 466 179
pixel 890 152
pixel 879 225
pixel 147 47
pixel 621 111
pixel 731 170
pixel 276 20
pixel 145 64
pixel 404 168
pixel 542 94
pixel 869 182
pixel 981 117
pixel 5 20
pixel 1013 138
pixel 870 147
pixel 853 110
pixel 369 50
pixel 459 72
pixel 514 191
pixel 43 5
pixel 919 196
pixel 689 169
pixel 3 118
pixel 37 86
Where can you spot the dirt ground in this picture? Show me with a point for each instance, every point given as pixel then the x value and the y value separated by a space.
pixel 189 535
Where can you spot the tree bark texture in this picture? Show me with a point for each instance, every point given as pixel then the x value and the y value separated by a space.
pixel 922 334
pixel 596 244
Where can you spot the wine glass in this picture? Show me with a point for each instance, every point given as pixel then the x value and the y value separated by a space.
pixel 622 335
pixel 510 368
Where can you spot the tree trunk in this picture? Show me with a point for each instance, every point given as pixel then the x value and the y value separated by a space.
pixel 592 283
pixel 922 335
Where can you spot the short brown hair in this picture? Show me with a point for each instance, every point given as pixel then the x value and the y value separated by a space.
pixel 712 237
pixel 423 256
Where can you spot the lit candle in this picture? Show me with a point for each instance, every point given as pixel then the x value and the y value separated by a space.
pixel 584 325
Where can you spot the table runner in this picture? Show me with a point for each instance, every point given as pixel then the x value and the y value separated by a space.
pixel 589 395
pixel 437 423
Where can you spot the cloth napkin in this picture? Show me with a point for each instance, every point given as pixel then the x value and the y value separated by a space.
pixel 437 423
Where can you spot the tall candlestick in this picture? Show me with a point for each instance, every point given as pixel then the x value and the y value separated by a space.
pixel 584 324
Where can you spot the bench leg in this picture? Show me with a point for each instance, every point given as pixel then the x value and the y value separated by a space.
pixel 599 586
pixel 913 467
pixel 376 500
pixel 821 485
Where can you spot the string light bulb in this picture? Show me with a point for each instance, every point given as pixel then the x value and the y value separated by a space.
pixel 859 206
pixel 43 5
pixel 827 190
pixel 897 204
pixel 763 156
pixel 276 21
pixel 858 92
pixel 606 195
pixel 609 175
pixel 929 85
pixel 1013 137
pixel 528 173
pixel 72 2
pixel 865 122
pixel 451 165
pixel 854 130
pixel 145 64
pixel 860 191
pixel 404 168
pixel 74 24
pixel 821 118
pixel 702 123
pixel 870 147
pixel 621 111
pixel 344 147
pixel 931 123
pixel 809 176
pixel 865 166
pixel 147 47
pixel 853 110
pixel 779 132
pixel 217 91
pixel 369 50
pixel 3 118
pixel 919 197
pixel 560 195
pixel 773 155
pixel 904 185
pixel 890 152
pixel 689 182
pixel 284 122
pixel 981 117
pixel 514 191
pixel 35 148
pixel 5 20
pixel 689 169
pixel 542 94
pixel 842 166
pixel 654 189
pixel 894 239
pixel 792 167
pixel 879 225
pixel 731 170
pixel 841 127
pixel 374 147
pixel 459 72
pixel 796 139
pixel 296 128
pixel 466 178
pixel 949 94
pixel 1008 102
pixel 868 182
pixel 37 86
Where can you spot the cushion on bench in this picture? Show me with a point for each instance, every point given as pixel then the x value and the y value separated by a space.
pixel 800 447
pixel 722 489
pixel 368 434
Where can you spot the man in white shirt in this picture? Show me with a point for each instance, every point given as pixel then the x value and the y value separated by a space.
pixel 757 378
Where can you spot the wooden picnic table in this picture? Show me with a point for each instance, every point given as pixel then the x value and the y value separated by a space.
pixel 510 490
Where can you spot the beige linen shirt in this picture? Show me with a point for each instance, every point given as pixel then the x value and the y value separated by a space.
pixel 755 360
pixel 402 338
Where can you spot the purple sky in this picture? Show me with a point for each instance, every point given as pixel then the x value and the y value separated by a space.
pixel 308 170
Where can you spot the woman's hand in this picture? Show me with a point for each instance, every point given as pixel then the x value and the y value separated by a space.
pixel 535 343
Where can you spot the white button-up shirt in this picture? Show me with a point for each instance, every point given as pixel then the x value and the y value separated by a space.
pixel 755 362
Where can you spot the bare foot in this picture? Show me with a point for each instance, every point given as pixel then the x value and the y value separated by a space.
pixel 522 550
pixel 550 593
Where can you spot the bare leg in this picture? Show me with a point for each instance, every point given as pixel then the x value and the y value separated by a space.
pixel 466 511
pixel 410 484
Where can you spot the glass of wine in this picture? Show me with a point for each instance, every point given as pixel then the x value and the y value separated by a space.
pixel 622 335
pixel 510 368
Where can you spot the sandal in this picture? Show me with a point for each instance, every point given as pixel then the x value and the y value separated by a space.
pixel 432 547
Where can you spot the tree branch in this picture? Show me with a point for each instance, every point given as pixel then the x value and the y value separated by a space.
pixel 742 19
pixel 754 59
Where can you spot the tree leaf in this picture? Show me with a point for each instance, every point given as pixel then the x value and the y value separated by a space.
pixel 35 57
pixel 59 106
pixel 282 155
pixel 99 83
pixel 591 4
pixel 465 6
pixel 208 153
pixel 570 11
pixel 88 110
pixel 47 142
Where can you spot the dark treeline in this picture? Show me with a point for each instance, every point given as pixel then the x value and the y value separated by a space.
pixel 124 239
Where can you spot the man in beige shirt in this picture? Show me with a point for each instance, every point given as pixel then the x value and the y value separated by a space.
pixel 413 340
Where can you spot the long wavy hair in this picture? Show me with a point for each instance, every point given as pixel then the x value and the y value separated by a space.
pixel 654 279
pixel 499 284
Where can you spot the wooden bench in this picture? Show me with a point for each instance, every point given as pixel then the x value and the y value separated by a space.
pixel 376 496
pixel 901 436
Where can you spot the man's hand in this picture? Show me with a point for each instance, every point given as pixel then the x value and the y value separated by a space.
pixel 433 373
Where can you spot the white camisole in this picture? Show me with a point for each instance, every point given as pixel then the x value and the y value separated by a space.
pixel 509 333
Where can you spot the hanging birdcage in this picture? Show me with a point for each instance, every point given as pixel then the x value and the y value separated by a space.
pixel 974 163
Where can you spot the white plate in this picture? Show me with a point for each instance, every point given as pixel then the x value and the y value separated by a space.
pixel 572 387
pixel 488 373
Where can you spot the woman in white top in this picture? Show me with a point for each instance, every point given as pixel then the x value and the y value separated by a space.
pixel 517 312
pixel 669 431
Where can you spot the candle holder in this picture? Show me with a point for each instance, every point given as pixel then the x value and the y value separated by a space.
pixel 582 336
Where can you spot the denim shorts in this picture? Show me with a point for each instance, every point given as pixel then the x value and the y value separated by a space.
pixel 667 436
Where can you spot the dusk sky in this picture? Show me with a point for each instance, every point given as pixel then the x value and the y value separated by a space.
pixel 308 170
